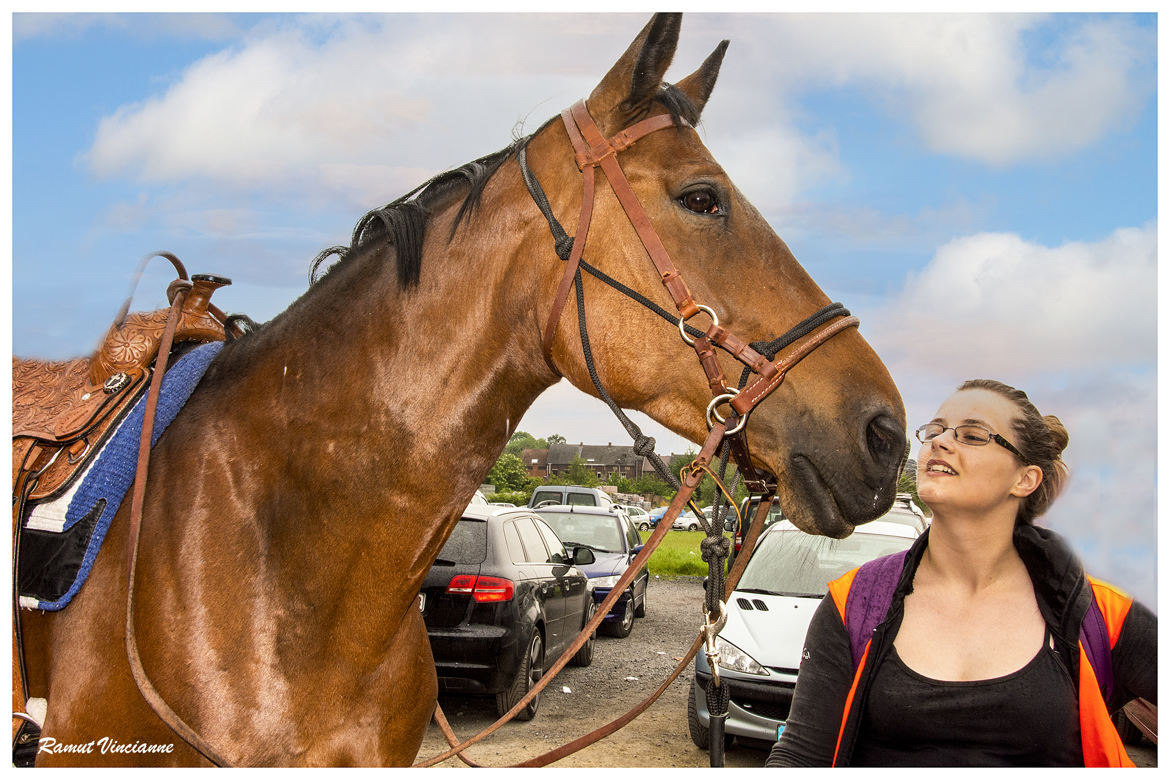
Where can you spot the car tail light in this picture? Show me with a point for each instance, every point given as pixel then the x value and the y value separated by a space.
pixel 462 584
pixel 493 589
pixel 482 589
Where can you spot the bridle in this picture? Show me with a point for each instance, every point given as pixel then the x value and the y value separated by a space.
pixel 593 150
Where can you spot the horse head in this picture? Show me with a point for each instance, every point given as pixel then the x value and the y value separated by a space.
pixel 833 433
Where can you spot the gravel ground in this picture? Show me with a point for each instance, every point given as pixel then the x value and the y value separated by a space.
pixel 623 673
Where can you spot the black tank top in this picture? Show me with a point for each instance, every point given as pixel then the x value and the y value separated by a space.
pixel 1027 718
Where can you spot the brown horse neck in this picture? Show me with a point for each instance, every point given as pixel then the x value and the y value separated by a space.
pixel 385 407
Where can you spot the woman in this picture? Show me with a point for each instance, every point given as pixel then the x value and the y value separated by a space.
pixel 973 653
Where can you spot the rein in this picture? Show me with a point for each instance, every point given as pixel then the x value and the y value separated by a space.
pixel 145 687
pixel 593 150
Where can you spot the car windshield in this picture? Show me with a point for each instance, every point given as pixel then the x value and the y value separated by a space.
pixel 792 563
pixel 466 544
pixel 600 532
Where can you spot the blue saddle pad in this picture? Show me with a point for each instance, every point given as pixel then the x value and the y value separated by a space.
pixel 60 539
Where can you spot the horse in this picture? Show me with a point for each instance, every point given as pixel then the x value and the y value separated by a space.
pixel 294 506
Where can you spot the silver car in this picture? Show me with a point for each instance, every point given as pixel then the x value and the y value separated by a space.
pixel 638 516
pixel 767 618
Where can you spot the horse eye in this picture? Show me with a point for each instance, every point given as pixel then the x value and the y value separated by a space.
pixel 701 202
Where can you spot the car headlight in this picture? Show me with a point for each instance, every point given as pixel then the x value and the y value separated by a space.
pixel 736 660
pixel 604 582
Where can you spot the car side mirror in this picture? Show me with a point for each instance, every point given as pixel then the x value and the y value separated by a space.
pixel 637 548
pixel 582 556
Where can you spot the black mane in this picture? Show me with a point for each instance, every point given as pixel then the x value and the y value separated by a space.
pixel 403 222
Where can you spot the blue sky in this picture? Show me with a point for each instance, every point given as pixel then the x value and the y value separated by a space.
pixel 980 189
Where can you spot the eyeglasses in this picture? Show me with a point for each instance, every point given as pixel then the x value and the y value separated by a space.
pixel 974 435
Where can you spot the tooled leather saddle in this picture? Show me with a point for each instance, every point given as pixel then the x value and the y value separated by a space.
pixel 64 412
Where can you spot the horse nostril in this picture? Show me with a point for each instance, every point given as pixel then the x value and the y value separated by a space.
pixel 886 441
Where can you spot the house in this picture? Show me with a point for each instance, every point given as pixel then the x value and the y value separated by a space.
pixel 535 462
pixel 605 460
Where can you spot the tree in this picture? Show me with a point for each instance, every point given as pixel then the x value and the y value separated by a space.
pixel 508 473
pixel 581 474
pixel 521 441
pixel 650 484
pixel 908 482
pixel 620 482
pixel 556 438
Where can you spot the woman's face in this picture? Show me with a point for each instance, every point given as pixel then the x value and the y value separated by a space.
pixel 955 476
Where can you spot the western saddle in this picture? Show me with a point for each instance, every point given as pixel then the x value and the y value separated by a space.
pixel 64 411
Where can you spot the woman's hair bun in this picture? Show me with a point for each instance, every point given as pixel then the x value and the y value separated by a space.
pixel 1058 432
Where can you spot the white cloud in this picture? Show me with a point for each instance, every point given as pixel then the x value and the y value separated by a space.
pixel 297 104
pixel 993 302
pixel 995 88
pixel 297 101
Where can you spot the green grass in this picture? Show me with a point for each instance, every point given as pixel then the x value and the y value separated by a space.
pixel 678 555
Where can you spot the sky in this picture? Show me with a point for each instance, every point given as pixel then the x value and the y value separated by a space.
pixel 981 189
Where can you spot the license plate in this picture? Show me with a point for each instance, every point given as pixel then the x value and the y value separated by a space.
pixel 422 602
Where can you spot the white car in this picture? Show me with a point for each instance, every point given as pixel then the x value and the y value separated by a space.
pixel 686 520
pixel 638 516
pixel 768 616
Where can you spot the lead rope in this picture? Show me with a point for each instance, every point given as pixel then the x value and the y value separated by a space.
pixel 714 546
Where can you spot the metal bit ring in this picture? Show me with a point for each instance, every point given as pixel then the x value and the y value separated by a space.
pixel 712 412
pixel 683 320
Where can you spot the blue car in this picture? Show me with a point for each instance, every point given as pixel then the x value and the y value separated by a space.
pixel 608 532
pixel 656 515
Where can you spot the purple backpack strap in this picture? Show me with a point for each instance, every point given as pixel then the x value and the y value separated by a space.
pixel 1095 639
pixel 869 599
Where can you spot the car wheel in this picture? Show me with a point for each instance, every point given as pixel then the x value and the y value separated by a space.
pixel 693 527
pixel 623 627
pixel 530 671
pixel 640 612
pixel 584 656
pixel 643 526
pixel 700 734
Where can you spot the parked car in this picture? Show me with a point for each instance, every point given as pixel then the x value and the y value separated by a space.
pixel 747 512
pixel 906 511
pixel 656 515
pixel 614 541
pixel 508 504
pixel 573 495
pixel 638 516
pixel 686 520
pixel 502 600
pixel 767 618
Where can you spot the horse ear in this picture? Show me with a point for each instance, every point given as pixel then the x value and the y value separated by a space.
pixel 637 76
pixel 699 84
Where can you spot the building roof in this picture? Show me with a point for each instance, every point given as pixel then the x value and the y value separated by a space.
pixel 599 454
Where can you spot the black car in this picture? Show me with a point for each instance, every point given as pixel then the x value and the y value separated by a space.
pixel 502 600
pixel 609 534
